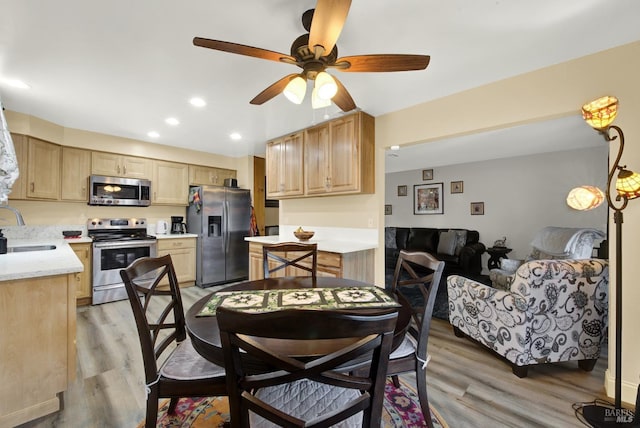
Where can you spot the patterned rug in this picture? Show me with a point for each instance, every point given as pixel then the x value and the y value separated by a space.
pixel 401 409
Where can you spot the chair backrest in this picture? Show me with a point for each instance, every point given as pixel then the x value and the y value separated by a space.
pixel 360 336
pixel 277 257
pixel 156 332
pixel 422 270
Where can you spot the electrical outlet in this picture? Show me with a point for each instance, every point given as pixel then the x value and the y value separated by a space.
pixel 370 222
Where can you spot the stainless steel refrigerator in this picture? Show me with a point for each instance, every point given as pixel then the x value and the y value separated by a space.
pixel 221 218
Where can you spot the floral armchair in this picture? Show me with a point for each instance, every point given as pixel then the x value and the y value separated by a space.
pixel 550 243
pixel 555 310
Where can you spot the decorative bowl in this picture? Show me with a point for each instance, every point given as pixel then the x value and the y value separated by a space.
pixel 305 235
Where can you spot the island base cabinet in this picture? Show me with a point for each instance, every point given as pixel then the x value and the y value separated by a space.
pixel 357 265
pixel 37 348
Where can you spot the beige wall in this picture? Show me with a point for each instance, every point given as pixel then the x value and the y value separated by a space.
pixel 548 93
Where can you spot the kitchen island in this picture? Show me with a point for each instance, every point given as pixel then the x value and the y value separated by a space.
pixel 38 318
pixel 340 259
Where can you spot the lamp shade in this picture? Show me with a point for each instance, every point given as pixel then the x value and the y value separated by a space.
pixel 295 90
pixel 325 85
pixel 600 113
pixel 628 184
pixel 585 198
pixel 317 102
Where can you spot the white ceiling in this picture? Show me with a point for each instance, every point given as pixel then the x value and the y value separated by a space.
pixel 120 67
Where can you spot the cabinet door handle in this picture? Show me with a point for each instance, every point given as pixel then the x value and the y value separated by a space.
pixel 33 186
pixel 124 169
pixel 118 168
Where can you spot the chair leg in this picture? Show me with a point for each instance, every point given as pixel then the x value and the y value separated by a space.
pixel 152 409
pixel 172 406
pixel 421 383
pixel 587 365
pixel 396 381
pixel 520 371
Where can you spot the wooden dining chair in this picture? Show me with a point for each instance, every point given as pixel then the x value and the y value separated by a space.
pixel 277 257
pixel 311 388
pixel 421 270
pixel 159 317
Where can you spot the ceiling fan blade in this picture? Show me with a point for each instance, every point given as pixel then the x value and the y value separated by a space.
pixel 273 90
pixel 383 62
pixel 328 19
pixel 342 98
pixel 242 49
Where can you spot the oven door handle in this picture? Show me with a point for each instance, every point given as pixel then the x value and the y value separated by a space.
pixel 124 244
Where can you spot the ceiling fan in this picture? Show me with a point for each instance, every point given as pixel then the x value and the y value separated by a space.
pixel 315 52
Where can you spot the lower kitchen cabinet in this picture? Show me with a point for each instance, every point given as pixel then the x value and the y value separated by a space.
pixel 357 265
pixel 83 279
pixel 183 256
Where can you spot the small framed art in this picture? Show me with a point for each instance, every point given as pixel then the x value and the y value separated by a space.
pixel 428 199
pixel 457 186
pixel 427 174
pixel 402 190
pixel 387 210
pixel 477 208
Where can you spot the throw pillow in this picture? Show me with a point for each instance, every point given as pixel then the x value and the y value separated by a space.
pixel 461 240
pixel 447 243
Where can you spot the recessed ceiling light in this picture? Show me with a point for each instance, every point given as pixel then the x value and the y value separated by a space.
pixel 16 83
pixel 153 134
pixel 172 121
pixel 235 136
pixel 198 102
pixel 395 147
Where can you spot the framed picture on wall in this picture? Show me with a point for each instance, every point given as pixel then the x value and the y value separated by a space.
pixel 387 210
pixel 477 208
pixel 428 198
pixel 402 190
pixel 427 174
pixel 456 186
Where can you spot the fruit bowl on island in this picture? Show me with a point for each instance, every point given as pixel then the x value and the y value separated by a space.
pixel 303 235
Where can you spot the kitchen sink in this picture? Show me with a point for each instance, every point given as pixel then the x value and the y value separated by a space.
pixel 25 248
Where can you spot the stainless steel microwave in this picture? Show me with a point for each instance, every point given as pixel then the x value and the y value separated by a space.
pixel 119 191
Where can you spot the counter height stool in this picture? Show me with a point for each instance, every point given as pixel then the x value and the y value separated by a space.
pixel 278 257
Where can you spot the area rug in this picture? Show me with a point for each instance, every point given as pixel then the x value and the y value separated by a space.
pixel 401 409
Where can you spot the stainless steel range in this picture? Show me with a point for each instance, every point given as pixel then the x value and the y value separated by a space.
pixel 117 242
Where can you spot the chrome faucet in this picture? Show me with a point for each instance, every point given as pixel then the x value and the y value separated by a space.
pixel 19 218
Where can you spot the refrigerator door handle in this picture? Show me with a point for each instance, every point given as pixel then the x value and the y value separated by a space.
pixel 226 227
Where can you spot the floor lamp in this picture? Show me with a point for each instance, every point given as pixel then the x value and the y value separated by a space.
pixel 599 114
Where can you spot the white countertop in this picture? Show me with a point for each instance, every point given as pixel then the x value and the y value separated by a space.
pixel 331 246
pixel 176 235
pixel 33 264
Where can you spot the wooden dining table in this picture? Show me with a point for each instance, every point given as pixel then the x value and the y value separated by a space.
pixel 205 336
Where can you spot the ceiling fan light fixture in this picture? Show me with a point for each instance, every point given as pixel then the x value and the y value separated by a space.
pixel 325 85
pixel 317 102
pixel 295 90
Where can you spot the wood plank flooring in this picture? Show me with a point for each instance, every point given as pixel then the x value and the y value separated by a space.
pixel 468 385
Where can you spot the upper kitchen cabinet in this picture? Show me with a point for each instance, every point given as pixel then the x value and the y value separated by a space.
pixel 284 167
pixel 111 164
pixel 339 156
pixel 43 169
pixel 205 175
pixel 170 185
pixel 76 168
pixel 19 188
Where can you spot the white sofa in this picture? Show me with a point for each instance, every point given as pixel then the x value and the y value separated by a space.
pixel 555 310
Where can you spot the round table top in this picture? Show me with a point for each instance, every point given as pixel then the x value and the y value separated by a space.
pixel 204 332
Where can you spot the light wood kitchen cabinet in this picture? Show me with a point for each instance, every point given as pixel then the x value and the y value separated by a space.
pixel 339 156
pixel 357 265
pixel 205 175
pixel 115 165
pixel 183 256
pixel 76 168
pixel 284 167
pixel 83 279
pixel 38 349
pixel 19 188
pixel 43 169
pixel 170 185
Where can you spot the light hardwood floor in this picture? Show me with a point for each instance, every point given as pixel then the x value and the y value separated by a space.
pixel 468 385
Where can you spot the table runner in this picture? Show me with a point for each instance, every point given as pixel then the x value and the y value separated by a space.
pixel 256 301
